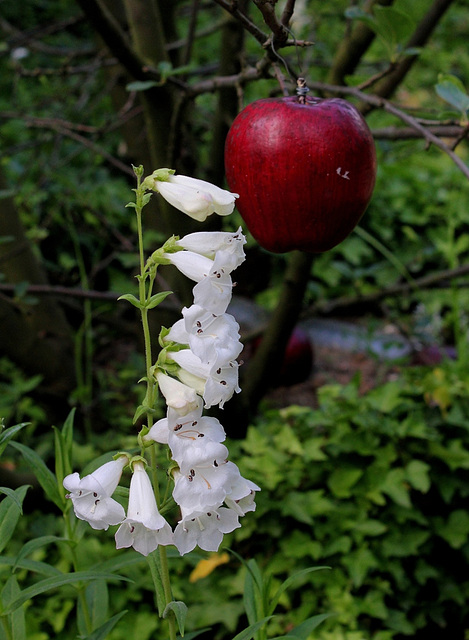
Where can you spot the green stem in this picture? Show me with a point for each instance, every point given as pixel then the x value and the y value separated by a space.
pixel 144 297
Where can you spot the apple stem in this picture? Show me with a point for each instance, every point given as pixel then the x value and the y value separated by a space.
pixel 267 359
pixel 301 90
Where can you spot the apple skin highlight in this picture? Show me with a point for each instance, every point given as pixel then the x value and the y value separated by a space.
pixel 304 172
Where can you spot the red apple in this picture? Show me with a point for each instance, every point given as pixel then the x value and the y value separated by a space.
pixel 304 171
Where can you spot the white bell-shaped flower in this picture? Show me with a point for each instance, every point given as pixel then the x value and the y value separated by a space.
pixel 216 383
pixel 209 243
pixel 91 495
pixel 204 477
pixel 144 528
pixel 178 396
pixel 242 493
pixel 183 433
pixel 196 198
pixel 204 528
pixel 213 338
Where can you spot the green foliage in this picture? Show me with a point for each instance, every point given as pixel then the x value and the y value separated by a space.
pixel 376 486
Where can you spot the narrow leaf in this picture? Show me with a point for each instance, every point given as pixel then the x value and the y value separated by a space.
pixel 106 628
pixel 42 568
pixel 194 634
pixel 62 460
pixel 132 299
pixel 11 494
pixel 303 630
pixel 9 515
pixel 179 609
pixel 67 431
pixel 141 85
pixel 16 620
pixel 97 597
pixel 250 631
pixel 8 434
pixel 58 581
pixel 44 475
pixel 34 544
pixel 284 586
pixel 157 298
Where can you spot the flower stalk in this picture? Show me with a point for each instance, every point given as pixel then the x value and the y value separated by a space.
pixel 197 368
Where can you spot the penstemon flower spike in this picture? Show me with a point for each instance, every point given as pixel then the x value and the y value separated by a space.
pixel 196 369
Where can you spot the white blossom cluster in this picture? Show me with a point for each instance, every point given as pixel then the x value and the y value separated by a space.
pixel 201 350
pixel 208 376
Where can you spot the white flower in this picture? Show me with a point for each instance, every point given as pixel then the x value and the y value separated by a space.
pixel 193 265
pixel 204 477
pixel 144 527
pixel 178 396
pixel 197 198
pixel 214 286
pixel 213 338
pixel 215 383
pixel 242 494
pixel 208 243
pixel 91 496
pixel 204 528
pixel 215 290
pixel 185 433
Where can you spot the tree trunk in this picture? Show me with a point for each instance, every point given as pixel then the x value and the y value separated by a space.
pixel 36 337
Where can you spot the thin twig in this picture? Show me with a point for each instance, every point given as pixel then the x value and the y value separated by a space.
pixel 253 29
pixel 425 282
pixel 287 12
pixel 408 133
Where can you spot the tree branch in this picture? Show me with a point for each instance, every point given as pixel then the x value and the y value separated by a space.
pixel 352 49
pixel 424 282
pixel 422 33
pixel 232 7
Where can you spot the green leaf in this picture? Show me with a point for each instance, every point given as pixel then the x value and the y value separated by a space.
pixel 16 621
pixel 303 630
pixel 142 85
pixel 32 545
pixel 286 584
pixel 67 431
pixel 9 433
pixel 106 628
pixel 157 298
pixel 194 634
pixel 44 475
pixel 342 480
pixel 34 566
pixel 97 598
pixel 63 463
pixel 250 631
pixel 9 515
pixel 58 581
pixel 395 486
pixel 12 494
pixel 418 475
pixel 254 591
pixel 140 411
pixel 132 299
pixel 179 609
pixel 451 89
pixel 456 530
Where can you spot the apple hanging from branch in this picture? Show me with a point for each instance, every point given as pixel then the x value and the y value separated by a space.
pixel 304 169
